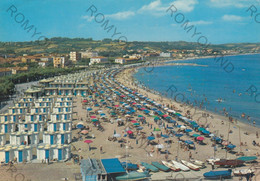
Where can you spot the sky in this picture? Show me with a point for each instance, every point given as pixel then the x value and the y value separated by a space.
pixel 214 21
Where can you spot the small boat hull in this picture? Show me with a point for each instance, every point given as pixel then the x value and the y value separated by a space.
pixel 247 158
pixel 181 166
pixel 190 165
pixel 171 166
pixel 218 174
pixel 243 172
pixel 160 166
pixel 150 167
pixel 233 163
pixel 133 176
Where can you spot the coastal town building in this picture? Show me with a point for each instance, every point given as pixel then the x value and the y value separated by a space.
pixel 98 60
pixel 120 60
pixel 5 72
pixel 59 62
pixel 89 54
pixel 165 54
pixel 17 70
pixel 75 56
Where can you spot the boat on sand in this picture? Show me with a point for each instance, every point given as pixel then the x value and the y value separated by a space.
pixel 150 167
pixel 161 166
pixel 171 166
pixel 133 176
pixel 181 166
pixel 218 174
pixel 190 165
pixel 243 172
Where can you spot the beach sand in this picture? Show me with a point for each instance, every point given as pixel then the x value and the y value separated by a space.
pixel 140 152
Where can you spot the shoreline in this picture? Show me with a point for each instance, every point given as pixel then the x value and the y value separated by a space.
pixel 247 132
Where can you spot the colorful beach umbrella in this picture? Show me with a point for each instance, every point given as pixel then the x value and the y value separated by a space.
pixel 92 116
pixel 195 135
pixel 130 132
pixel 84 132
pixel 150 138
pixel 178 135
pixel 116 135
pixel 133 121
pixel 189 142
pixel 136 124
pixel 156 129
pixel 188 130
pixel 94 120
pixel 79 126
pixel 88 141
pixel 200 138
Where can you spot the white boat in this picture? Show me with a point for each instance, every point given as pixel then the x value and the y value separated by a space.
pixel 199 163
pixel 213 160
pixel 171 166
pixel 191 165
pixel 181 166
pixel 242 172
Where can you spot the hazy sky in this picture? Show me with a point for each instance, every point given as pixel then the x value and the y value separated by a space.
pixel 219 21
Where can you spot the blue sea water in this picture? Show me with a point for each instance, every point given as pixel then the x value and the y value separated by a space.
pixel 212 85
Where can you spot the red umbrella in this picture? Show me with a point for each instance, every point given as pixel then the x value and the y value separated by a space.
pixel 142 108
pixel 92 116
pixel 88 141
pixel 84 132
pixel 134 121
pixel 134 103
pixel 165 115
pixel 116 105
pixel 130 132
pixel 200 138
pixel 84 101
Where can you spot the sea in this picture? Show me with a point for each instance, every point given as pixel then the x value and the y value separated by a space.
pixel 210 86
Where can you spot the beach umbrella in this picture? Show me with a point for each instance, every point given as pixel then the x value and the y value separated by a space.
pixel 130 132
pixel 94 120
pixel 136 124
pixel 116 105
pixel 150 138
pixel 178 114
pixel 140 116
pixel 205 132
pixel 201 129
pixel 102 100
pixel 156 129
pixel 183 127
pixel 89 109
pixel 156 118
pixel 169 127
pixel 116 135
pixel 133 121
pixel 88 141
pixel 102 114
pixel 211 135
pixel 178 126
pixel 231 146
pixel 200 138
pixel 188 130
pixel 92 116
pixel 165 136
pixel 79 126
pixel 96 105
pixel 189 142
pixel 139 128
pixel 195 135
pixel 178 135
pixel 84 132
pixel 160 146
pixel 84 101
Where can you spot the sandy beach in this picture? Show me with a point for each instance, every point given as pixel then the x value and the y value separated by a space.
pixel 137 149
